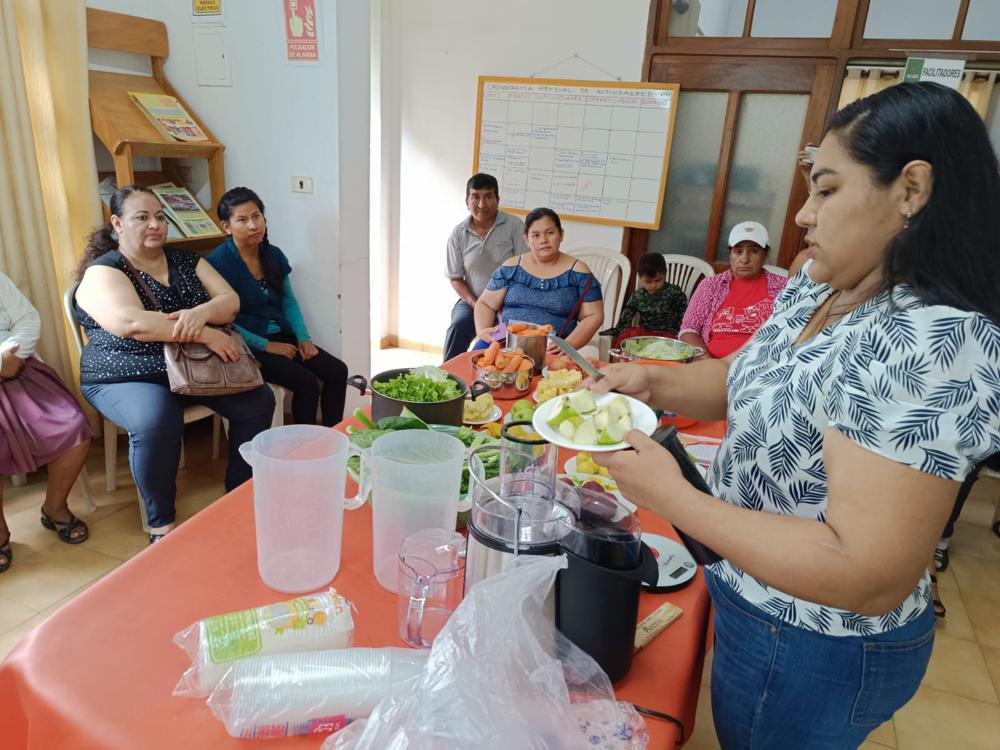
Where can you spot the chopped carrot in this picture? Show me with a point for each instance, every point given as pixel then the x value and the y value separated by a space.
pixel 525 365
pixel 500 361
pixel 491 354
pixel 513 362
pixel 517 327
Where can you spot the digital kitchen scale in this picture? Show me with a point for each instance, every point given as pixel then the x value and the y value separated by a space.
pixel 673 561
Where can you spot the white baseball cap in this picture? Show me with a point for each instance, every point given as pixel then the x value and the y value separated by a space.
pixel 748 230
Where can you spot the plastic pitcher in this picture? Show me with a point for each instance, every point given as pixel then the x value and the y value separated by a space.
pixel 431 583
pixel 414 478
pixel 298 498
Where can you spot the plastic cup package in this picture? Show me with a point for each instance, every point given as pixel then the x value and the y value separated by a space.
pixel 309 623
pixel 316 692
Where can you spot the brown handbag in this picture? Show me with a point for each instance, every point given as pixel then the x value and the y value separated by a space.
pixel 195 370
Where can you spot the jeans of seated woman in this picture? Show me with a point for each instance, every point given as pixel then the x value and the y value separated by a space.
pixel 777 687
pixel 304 379
pixel 154 420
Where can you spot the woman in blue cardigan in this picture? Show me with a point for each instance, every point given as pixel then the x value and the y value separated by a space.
pixel 270 319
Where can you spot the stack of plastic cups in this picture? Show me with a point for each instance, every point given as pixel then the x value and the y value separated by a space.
pixel 315 692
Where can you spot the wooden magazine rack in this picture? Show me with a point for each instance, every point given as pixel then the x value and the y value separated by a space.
pixel 124 129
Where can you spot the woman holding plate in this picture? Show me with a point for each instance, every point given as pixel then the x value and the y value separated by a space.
pixel 853 416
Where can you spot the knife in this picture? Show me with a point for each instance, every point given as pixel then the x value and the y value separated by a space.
pixel 574 355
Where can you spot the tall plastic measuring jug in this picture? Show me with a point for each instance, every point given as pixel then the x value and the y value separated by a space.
pixel 414 478
pixel 298 499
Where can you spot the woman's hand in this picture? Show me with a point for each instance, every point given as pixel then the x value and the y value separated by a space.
pixel 632 380
pixel 307 350
pixel 10 364
pixel 648 476
pixel 221 343
pixel 190 323
pixel 486 334
pixel 282 350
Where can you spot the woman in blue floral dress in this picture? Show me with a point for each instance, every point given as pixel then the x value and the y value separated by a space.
pixel 853 415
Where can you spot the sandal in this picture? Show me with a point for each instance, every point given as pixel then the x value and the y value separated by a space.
pixel 941 559
pixel 939 609
pixel 6 555
pixel 154 538
pixel 65 529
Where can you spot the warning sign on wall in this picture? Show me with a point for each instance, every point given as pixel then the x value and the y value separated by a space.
pixel 300 30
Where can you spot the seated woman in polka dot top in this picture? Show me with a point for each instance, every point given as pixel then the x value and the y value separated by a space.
pixel 123 373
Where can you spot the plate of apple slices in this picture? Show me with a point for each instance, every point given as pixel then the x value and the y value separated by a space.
pixel 581 421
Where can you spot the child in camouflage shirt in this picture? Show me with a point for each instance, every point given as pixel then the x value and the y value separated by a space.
pixel 659 305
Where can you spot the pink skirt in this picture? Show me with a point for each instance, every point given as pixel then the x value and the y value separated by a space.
pixel 39 419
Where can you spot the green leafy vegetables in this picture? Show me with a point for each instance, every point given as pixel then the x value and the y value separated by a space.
pixel 418 388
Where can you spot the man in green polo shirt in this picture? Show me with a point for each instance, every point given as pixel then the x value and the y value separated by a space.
pixel 476 247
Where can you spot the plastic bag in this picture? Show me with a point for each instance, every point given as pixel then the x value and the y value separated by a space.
pixel 308 623
pixel 316 692
pixel 500 676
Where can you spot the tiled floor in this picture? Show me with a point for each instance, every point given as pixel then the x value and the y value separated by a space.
pixel 956 707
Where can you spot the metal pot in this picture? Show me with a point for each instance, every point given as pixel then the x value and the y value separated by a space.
pixel 532 346
pixel 433 412
pixel 628 350
pixel 503 384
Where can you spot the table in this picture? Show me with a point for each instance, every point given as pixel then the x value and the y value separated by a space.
pixel 100 671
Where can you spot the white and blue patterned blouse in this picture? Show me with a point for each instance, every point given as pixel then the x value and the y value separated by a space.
pixel 915 383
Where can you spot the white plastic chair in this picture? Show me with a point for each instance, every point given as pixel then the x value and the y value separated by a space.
pixel 777 270
pixel 686 271
pixel 612 270
pixel 191 413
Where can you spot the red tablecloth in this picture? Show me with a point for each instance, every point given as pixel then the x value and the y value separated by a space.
pixel 100 671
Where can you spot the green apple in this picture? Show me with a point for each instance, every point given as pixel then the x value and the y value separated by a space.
pixel 611 434
pixel 565 412
pixel 601 419
pixel 617 408
pixel 625 423
pixel 582 402
pixel 586 433
pixel 567 429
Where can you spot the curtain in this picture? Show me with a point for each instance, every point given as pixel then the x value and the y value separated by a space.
pixel 977 85
pixel 48 178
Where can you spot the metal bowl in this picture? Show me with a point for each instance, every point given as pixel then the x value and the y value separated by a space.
pixel 504 384
pixel 532 346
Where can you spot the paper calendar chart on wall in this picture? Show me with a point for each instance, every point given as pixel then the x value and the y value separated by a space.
pixel 593 151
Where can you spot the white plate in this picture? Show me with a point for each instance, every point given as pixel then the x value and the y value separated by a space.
pixel 643 419
pixel 493 417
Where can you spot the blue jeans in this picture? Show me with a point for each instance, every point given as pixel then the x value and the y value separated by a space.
pixel 776 686
pixel 153 417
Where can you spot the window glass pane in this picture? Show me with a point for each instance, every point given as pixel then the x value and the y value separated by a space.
pixel 911 19
pixel 707 17
pixel 792 18
pixel 983 21
pixel 764 164
pixel 694 161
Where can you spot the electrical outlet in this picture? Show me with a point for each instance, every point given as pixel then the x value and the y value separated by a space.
pixel 302 184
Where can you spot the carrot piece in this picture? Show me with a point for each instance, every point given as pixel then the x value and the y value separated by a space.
pixel 500 361
pixel 513 362
pixel 546 329
pixel 524 366
pixel 517 327
pixel 491 354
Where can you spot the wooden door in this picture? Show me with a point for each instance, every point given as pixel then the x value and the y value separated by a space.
pixel 782 104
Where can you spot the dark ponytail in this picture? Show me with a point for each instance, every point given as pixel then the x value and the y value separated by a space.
pixel 104 239
pixel 237 196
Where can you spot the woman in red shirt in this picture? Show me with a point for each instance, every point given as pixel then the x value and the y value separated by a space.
pixel 726 310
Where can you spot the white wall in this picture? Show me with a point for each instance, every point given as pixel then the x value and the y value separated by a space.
pixel 433 53
pixel 279 119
